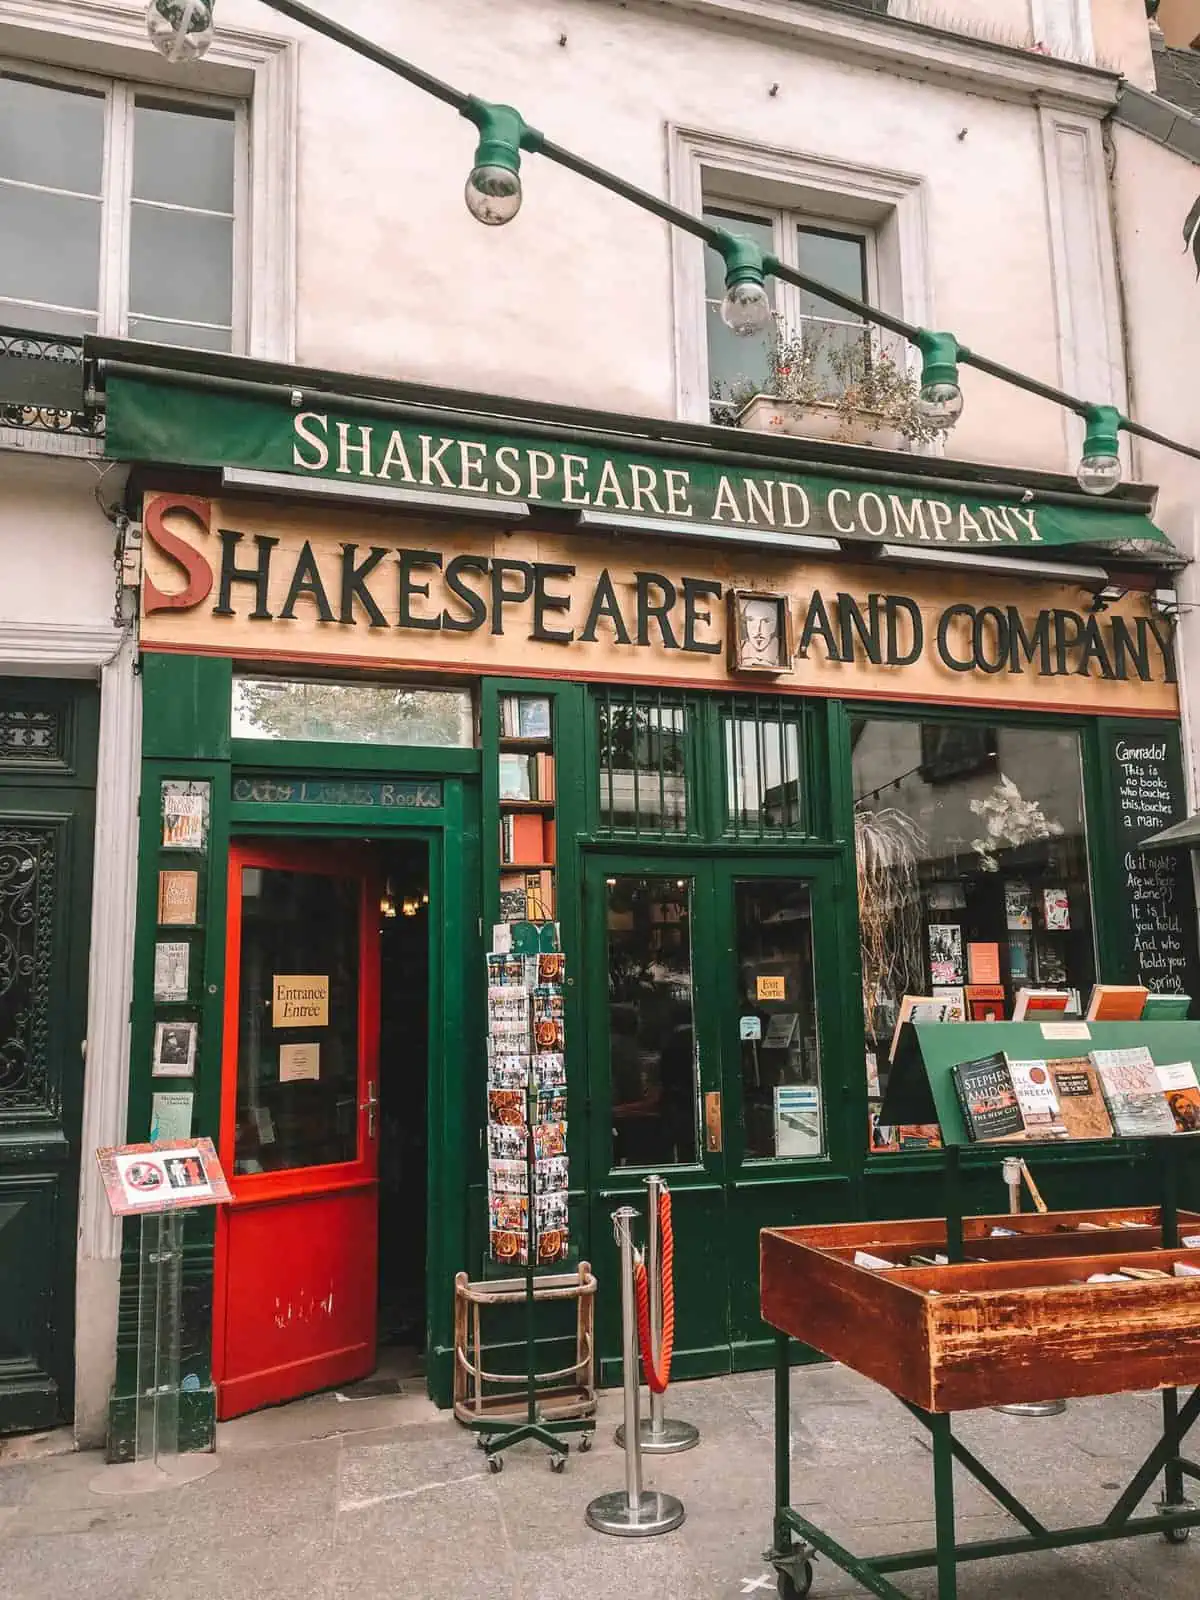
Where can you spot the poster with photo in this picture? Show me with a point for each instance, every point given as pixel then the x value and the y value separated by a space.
pixel 174 1049
pixel 172 961
pixel 945 952
pixel 1018 906
pixel 184 815
pixel 1056 909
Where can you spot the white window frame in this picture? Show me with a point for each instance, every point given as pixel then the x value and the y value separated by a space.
pixel 116 199
pixel 785 224
pixel 706 168
pixel 258 69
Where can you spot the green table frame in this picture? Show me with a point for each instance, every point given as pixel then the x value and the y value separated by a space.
pixel 797 1539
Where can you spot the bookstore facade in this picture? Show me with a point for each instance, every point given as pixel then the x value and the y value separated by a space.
pixel 767 764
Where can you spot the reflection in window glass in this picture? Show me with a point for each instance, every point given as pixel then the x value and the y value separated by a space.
pixel 643 768
pixel 777 1019
pixel 350 713
pixel 972 874
pixel 762 770
pixel 652 1057
pixel 297 1090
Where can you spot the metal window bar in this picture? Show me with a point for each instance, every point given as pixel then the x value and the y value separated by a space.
pixel 757 729
pixel 644 788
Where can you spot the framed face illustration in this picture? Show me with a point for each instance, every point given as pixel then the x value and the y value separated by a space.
pixel 759 632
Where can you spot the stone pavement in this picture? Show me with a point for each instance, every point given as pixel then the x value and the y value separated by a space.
pixel 347 1500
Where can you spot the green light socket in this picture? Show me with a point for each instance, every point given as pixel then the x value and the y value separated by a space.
pixel 939 357
pixel 1103 435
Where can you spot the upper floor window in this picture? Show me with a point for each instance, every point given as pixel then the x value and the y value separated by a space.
pixel 119 210
pixel 808 328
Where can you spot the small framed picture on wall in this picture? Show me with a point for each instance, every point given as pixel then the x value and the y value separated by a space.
pixel 760 632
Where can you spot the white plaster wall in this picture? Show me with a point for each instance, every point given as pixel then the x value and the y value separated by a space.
pixel 57 544
pixel 572 302
pixel 56 620
pixel 1153 191
pixel 1122 38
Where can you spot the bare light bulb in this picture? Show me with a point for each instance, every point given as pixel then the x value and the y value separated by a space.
pixel 1099 474
pixel 940 404
pixel 181 30
pixel 746 309
pixel 493 195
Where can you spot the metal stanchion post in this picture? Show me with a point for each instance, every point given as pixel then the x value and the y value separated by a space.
pixel 632 1512
pixel 660 1435
pixel 1024 1408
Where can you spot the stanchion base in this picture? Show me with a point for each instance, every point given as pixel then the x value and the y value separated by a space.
pixel 146 1477
pixel 1033 1408
pixel 615 1513
pixel 673 1437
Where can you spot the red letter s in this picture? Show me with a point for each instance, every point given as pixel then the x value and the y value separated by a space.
pixel 195 568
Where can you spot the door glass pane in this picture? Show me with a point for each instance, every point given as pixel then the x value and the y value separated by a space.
pixel 297 1093
pixel 777 1019
pixel 652 1058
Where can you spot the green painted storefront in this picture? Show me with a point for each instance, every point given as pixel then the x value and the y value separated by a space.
pixel 724 1197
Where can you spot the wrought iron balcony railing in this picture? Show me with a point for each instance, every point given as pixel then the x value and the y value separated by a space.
pixel 41 385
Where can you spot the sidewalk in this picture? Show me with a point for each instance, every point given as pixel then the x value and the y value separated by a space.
pixel 348 1500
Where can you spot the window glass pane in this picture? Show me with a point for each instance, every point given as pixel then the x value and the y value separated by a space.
pixel 762 771
pixel 972 872
pixel 183 155
pixel 51 135
pixel 837 259
pixel 182 333
pixel 37 319
pixel 652 1058
pixel 643 768
pixel 181 265
pixel 297 1092
pixel 49 248
pixel 781 1061
pixel 738 368
pixel 351 713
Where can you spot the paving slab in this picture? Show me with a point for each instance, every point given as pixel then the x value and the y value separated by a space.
pixel 385 1497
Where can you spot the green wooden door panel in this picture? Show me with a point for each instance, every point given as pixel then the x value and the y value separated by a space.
pixel 48 737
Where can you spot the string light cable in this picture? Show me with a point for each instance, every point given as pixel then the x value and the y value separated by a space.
pixel 184 29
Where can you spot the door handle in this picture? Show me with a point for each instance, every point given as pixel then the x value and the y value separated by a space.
pixel 713 1140
pixel 370 1106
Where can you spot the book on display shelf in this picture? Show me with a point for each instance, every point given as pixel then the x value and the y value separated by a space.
pixel 1116 1002
pixel 1081 1104
pixel 988 1099
pixel 1135 1100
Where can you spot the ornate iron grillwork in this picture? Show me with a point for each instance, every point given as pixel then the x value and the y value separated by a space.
pixel 28 870
pixel 41 385
pixel 31 733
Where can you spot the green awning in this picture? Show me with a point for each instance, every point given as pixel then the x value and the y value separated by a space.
pixel 1183 835
pixel 231 427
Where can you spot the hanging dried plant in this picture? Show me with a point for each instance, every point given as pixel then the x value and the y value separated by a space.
pixel 888 847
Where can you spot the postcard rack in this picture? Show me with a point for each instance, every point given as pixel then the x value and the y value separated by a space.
pixel 1015 1309
pixel 483 1398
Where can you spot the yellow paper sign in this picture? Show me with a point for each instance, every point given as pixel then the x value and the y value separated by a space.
pixel 300 1002
pixel 772 989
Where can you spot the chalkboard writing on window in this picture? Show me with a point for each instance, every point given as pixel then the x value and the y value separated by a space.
pixel 1156 887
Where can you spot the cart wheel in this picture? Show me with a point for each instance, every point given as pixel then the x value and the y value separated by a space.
pixel 789 1589
pixel 558 1463
pixel 585 1443
pixel 1177 1535
pixel 495 1463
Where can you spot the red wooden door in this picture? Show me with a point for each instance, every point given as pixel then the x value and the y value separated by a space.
pixel 296 1261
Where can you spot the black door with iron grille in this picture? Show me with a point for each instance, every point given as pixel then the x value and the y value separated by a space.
pixel 48 739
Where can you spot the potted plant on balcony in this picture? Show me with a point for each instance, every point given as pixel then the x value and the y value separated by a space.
pixel 851 391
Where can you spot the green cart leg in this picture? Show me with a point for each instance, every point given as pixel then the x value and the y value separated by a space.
pixel 783 1443
pixel 943 1507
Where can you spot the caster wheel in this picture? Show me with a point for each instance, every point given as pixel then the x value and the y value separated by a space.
pixel 789 1589
pixel 585 1443
pixel 495 1464
pixel 1177 1535
pixel 558 1463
